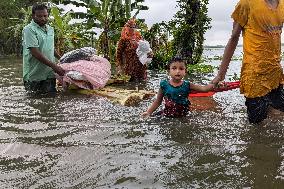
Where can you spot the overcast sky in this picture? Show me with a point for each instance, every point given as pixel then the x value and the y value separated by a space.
pixel 219 10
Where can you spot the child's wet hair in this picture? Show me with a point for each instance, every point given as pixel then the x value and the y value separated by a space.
pixel 175 59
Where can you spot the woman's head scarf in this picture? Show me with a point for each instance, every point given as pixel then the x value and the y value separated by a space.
pixel 125 33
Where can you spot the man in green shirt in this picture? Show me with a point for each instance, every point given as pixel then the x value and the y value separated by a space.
pixel 39 53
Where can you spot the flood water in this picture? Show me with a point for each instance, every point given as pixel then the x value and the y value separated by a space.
pixel 83 141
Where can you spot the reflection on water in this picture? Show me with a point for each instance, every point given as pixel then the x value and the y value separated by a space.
pixel 79 141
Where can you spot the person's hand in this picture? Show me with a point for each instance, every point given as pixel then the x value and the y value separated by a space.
pixel 282 81
pixel 220 85
pixel 217 79
pixel 145 114
pixel 150 54
pixel 57 69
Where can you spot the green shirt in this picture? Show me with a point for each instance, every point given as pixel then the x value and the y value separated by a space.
pixel 43 39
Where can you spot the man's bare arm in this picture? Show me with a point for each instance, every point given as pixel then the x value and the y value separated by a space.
pixel 38 55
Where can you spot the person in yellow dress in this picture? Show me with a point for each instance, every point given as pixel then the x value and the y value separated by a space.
pixel 260 23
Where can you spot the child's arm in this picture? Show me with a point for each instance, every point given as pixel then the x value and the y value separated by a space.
pixel 202 88
pixel 157 102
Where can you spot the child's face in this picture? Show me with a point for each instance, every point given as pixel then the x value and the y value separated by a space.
pixel 177 70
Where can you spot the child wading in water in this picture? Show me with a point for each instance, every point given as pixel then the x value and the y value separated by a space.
pixel 175 91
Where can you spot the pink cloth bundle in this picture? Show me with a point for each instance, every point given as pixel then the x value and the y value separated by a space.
pixel 90 74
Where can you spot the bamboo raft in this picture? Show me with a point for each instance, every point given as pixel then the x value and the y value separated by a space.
pixel 116 92
pixel 128 97
pixel 125 97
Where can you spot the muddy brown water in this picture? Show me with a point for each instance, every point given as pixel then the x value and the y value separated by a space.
pixel 82 141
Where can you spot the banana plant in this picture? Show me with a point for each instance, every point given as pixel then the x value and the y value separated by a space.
pixel 67 36
pixel 17 25
pixel 112 14
pixel 161 45
pixel 109 16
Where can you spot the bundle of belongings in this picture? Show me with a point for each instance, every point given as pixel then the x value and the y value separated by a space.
pixel 84 69
pixel 88 73
pixel 142 51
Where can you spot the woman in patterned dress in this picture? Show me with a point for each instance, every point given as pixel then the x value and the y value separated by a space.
pixel 127 61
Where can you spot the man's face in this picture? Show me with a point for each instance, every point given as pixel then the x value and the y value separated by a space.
pixel 40 17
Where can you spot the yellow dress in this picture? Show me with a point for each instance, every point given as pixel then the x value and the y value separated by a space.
pixel 262 26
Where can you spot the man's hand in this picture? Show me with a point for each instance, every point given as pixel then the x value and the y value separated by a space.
pixel 57 69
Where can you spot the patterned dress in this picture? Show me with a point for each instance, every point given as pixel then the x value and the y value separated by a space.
pixel 176 99
pixel 128 61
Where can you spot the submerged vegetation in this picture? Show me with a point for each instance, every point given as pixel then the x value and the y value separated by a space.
pixel 100 25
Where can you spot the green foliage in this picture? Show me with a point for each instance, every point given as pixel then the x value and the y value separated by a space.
pixel 68 36
pixel 8 18
pixel 200 68
pixel 27 3
pixel 160 59
pixel 109 16
pixel 189 27
pixel 14 15
pixel 158 37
